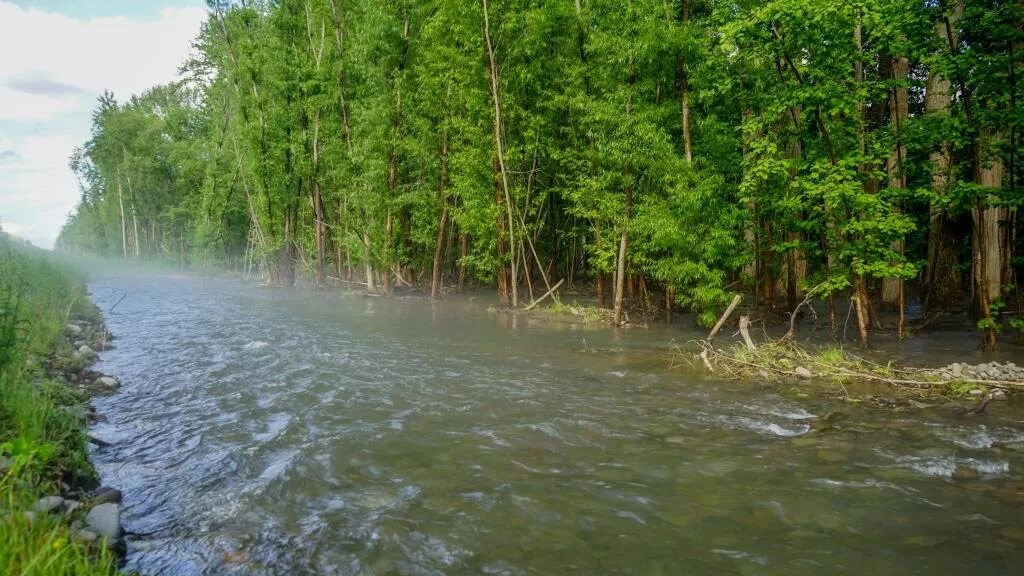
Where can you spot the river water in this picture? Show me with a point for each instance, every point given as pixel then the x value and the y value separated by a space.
pixel 273 432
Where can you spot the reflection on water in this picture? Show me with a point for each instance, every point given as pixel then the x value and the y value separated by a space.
pixel 265 432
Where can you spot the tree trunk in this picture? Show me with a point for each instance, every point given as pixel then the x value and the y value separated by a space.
pixel 892 288
pixel 988 231
pixel 463 254
pixel 320 227
pixel 620 263
pixel 945 288
pixel 435 276
pixel 124 229
pixel 495 85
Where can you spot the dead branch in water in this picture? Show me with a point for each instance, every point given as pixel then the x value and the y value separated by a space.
pixel 546 294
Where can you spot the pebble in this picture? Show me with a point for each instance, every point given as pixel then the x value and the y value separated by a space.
pixel 73 329
pixel 999 395
pixel 87 352
pixel 48 504
pixel 975 392
pixel 803 373
pixel 107 382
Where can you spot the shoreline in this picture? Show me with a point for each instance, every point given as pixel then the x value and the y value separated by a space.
pixel 55 517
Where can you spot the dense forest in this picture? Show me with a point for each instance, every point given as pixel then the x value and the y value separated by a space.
pixel 860 151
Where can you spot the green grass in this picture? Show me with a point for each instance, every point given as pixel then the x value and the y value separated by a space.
pixel 40 442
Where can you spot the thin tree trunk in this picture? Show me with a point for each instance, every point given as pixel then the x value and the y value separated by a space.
pixel 435 277
pixel 124 229
pixel 620 266
pixel 495 82
pixel 463 254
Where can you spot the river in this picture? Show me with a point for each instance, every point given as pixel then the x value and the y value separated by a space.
pixel 285 432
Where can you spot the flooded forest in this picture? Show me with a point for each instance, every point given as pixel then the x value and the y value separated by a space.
pixel 659 154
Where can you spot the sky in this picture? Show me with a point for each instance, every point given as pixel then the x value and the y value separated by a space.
pixel 56 58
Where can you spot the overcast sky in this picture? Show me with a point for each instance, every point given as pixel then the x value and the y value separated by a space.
pixel 56 58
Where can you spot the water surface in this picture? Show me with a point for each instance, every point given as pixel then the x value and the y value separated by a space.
pixel 274 432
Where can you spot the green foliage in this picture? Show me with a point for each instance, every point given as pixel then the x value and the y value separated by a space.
pixel 731 144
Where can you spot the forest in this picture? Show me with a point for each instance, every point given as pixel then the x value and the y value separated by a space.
pixel 661 153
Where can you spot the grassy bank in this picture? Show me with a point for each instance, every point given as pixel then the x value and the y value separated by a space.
pixel 42 442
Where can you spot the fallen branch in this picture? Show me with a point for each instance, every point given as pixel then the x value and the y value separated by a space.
pixel 725 316
pixel 546 294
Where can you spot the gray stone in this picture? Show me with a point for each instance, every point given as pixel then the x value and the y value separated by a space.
pixel 975 392
pixel 70 506
pixel 48 504
pixel 73 329
pixel 105 520
pixel 107 382
pixel 763 374
pixel 78 411
pixel 804 373
pixel 85 536
pixel 999 395
pixel 106 494
pixel 86 351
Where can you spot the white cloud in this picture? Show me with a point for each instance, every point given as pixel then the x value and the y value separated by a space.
pixel 52 69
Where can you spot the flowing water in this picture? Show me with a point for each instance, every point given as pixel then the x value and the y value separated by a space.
pixel 274 432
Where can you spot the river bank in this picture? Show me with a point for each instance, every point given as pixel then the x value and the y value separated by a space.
pixel 53 518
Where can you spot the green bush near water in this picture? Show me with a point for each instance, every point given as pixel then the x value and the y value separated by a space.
pixel 41 443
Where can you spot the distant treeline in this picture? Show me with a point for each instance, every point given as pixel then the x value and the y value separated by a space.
pixel 864 149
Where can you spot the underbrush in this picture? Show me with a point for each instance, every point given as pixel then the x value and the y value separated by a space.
pixel 42 444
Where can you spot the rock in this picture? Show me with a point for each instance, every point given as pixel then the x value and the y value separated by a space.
pixel 804 373
pixel 70 506
pixel 976 392
pixel 86 352
pixel 107 382
pixel 85 536
pixel 763 374
pixel 957 369
pixel 73 329
pixel 106 494
pixel 78 411
pixel 965 473
pixel 999 395
pixel 30 516
pixel 105 520
pixel 48 504
pixel 6 463
pixel 675 440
